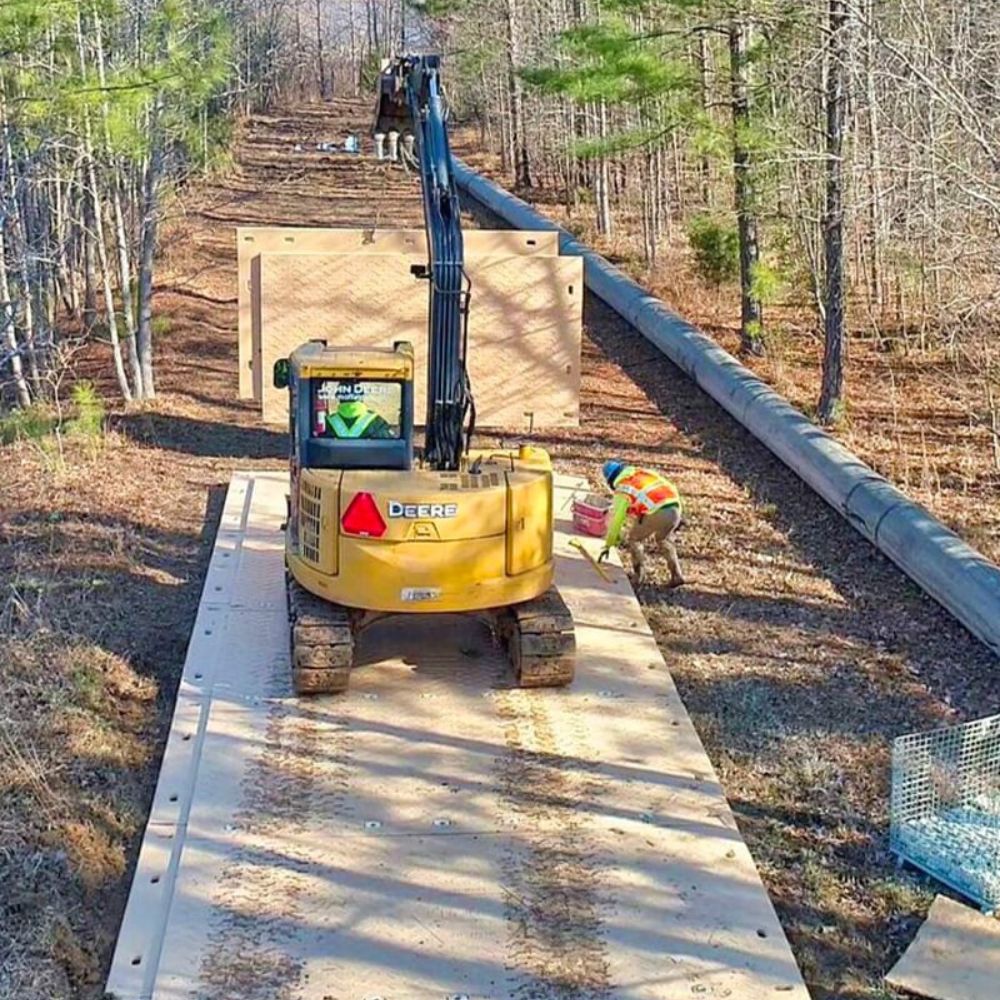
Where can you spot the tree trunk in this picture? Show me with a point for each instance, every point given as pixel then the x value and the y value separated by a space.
pixel 105 266
pixel 744 195
pixel 355 62
pixel 18 237
pixel 300 76
pixel 89 274
pixel 10 329
pixel 150 208
pixel 98 215
pixel 125 284
pixel 876 213
pixel 324 81
pixel 832 393
pixel 522 161
pixel 64 279
pixel 603 178
pixel 704 80
pixel 35 249
pixel 678 166
pixel 506 132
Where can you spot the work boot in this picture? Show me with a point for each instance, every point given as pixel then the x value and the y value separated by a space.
pixel 676 576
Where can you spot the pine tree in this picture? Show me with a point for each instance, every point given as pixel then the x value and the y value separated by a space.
pixel 101 103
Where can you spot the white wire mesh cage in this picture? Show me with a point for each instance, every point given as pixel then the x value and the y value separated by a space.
pixel 945 806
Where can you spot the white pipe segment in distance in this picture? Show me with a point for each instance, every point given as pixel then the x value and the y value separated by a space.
pixel 952 572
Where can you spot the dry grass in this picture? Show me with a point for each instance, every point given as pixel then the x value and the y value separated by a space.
pixel 103 547
pixel 75 735
pixel 798 650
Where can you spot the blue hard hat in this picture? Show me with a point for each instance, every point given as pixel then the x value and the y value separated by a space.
pixel 612 468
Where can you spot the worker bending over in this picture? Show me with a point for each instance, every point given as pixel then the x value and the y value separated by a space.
pixel 655 503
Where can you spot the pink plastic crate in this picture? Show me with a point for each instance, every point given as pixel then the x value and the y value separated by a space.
pixel 590 515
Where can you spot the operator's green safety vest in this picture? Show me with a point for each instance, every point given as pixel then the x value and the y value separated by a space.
pixel 356 429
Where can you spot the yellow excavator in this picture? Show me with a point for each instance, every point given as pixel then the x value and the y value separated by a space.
pixel 377 527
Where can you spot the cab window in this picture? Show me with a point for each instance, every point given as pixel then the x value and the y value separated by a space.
pixel 356 409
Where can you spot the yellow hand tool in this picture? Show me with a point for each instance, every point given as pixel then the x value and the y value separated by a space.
pixel 598 568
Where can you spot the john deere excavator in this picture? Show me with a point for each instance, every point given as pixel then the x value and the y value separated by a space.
pixel 378 527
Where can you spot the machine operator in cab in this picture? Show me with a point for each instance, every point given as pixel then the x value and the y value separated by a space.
pixel 655 504
pixel 344 413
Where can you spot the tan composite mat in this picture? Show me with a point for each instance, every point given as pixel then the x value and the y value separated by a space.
pixel 525 326
pixel 955 955
pixel 252 241
pixel 435 833
pixel 355 288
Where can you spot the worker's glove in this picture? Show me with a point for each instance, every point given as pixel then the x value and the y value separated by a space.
pixel 605 552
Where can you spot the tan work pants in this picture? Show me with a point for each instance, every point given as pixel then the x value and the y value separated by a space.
pixel 660 526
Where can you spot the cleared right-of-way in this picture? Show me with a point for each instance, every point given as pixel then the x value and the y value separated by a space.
pixel 436 832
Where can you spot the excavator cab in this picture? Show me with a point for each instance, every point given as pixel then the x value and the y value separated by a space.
pixel 392 113
pixel 349 408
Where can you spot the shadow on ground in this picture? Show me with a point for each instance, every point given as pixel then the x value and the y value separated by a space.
pixel 204 438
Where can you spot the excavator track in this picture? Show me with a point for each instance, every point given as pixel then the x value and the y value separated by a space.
pixel 322 636
pixel 538 635
pixel 541 642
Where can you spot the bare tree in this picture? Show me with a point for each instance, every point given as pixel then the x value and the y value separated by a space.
pixel 837 76
pixel 739 32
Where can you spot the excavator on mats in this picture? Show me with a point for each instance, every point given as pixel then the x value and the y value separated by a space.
pixel 378 527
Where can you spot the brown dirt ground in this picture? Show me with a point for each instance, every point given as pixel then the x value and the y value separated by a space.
pixel 920 416
pixel 798 650
pixel 923 406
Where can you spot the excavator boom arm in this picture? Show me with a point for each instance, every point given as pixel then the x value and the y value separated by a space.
pixel 410 96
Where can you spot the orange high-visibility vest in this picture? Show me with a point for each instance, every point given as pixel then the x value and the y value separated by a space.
pixel 646 491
